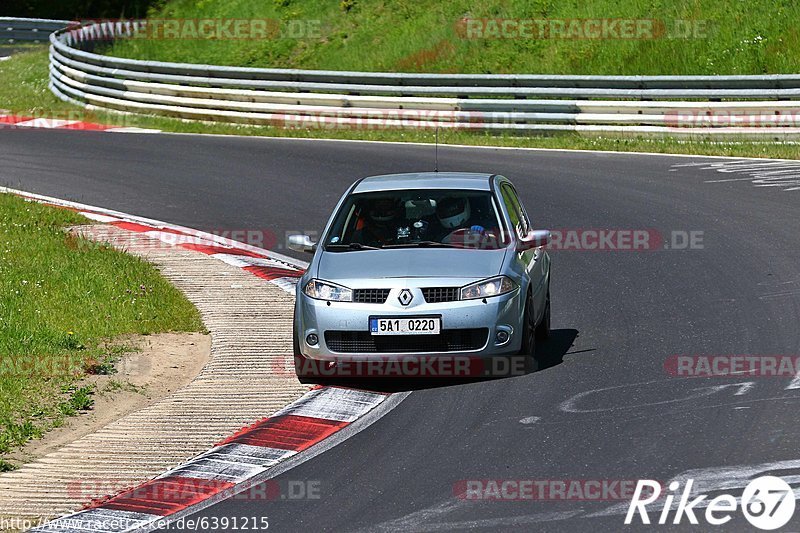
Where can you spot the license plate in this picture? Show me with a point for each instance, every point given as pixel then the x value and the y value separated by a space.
pixel 405 326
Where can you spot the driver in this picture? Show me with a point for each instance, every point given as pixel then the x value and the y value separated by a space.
pixel 455 216
pixel 380 226
pixel 453 212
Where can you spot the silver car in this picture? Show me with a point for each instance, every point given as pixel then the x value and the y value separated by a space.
pixel 422 265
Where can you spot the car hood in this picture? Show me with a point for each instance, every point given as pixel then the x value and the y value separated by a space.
pixel 410 262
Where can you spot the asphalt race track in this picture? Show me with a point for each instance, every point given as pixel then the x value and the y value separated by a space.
pixel 606 408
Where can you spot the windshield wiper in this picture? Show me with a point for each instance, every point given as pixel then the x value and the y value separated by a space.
pixel 422 244
pixel 351 246
pixel 359 246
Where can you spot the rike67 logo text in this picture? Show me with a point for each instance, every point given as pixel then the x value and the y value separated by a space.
pixel 767 503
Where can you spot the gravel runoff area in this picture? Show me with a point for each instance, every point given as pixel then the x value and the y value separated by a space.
pixel 246 379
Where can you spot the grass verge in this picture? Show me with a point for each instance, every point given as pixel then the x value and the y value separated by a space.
pixel 692 37
pixel 23 90
pixel 62 299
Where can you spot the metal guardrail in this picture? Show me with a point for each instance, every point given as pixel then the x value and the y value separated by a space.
pixel 727 106
pixel 14 30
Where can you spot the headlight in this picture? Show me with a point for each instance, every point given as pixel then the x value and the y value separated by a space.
pixel 487 288
pixel 324 290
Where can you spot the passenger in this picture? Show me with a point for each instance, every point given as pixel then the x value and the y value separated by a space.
pixel 380 226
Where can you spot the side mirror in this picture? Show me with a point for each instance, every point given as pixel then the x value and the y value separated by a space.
pixel 302 243
pixel 534 239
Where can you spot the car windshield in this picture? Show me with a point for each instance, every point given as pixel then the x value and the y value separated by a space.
pixel 417 218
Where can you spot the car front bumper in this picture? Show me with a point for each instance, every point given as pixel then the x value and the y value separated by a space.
pixel 460 320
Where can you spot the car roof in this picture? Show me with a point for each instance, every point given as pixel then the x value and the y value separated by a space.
pixel 426 180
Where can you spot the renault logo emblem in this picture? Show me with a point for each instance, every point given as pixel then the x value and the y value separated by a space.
pixel 405 297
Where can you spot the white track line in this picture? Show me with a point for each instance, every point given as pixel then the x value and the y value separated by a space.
pixel 795 383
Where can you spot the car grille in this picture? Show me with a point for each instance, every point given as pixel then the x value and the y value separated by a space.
pixel 449 340
pixel 370 296
pixel 435 295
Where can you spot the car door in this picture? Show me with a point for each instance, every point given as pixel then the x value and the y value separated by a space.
pixel 533 260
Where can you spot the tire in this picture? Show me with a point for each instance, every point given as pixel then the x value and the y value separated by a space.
pixel 528 348
pixel 543 329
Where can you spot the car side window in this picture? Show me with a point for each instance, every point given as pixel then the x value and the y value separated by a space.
pixel 515 211
pixel 523 212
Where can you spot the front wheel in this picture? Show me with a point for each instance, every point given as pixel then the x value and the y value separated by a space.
pixel 528 349
pixel 543 329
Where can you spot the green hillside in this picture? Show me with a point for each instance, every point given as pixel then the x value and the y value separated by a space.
pixel 688 37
